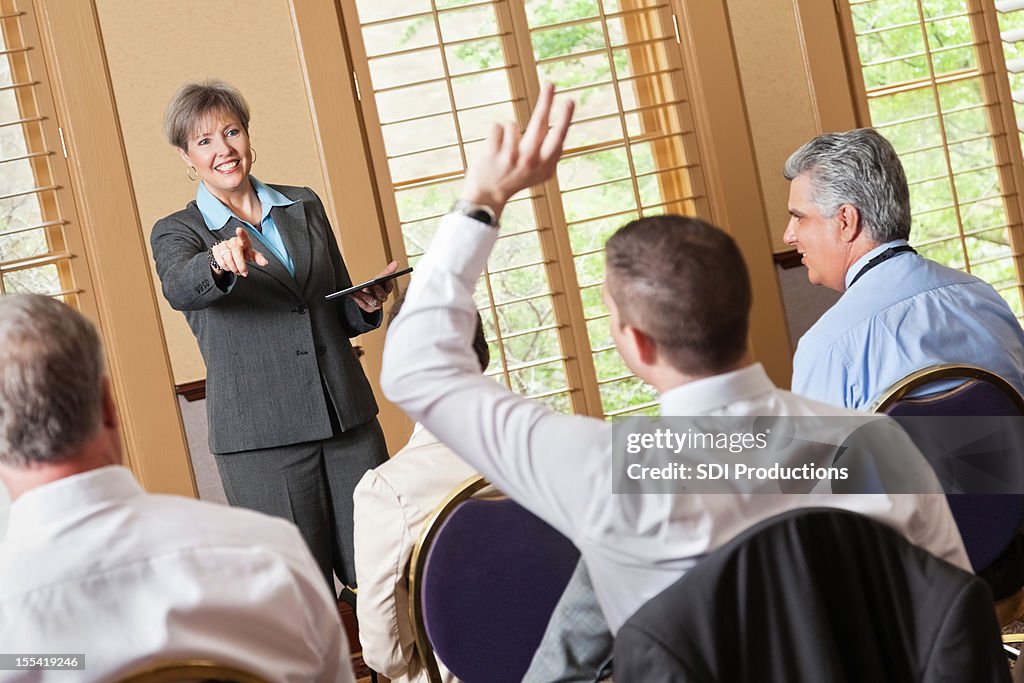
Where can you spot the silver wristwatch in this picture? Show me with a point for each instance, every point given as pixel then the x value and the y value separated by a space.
pixel 478 212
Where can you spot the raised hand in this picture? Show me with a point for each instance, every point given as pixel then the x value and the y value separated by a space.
pixel 234 255
pixel 372 298
pixel 510 162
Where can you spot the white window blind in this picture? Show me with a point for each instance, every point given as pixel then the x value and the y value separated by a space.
pixel 36 210
pixel 441 71
pixel 929 80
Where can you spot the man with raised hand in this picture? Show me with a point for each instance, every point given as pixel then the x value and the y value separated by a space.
pixel 679 299
pixel 93 565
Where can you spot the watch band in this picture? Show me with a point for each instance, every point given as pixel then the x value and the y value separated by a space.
pixel 478 212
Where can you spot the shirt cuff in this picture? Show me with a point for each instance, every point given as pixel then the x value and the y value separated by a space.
pixel 465 245
pixel 226 282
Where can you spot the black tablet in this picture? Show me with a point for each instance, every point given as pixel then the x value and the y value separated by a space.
pixel 370 283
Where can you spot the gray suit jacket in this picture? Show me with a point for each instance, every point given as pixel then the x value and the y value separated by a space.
pixel 269 339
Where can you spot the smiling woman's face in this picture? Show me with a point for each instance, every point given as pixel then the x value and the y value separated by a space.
pixel 219 151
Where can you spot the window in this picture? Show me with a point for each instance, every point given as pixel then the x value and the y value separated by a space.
pixel 932 78
pixel 1010 23
pixel 434 74
pixel 36 208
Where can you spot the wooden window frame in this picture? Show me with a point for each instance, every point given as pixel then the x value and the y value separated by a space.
pixel 724 140
pixel 42 136
pixel 830 48
pixel 832 84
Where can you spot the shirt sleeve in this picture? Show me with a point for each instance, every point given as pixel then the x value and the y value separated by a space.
pixel 822 373
pixel 183 264
pixel 382 549
pixel 548 462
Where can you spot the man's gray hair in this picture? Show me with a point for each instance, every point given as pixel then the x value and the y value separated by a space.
pixel 860 168
pixel 194 101
pixel 51 380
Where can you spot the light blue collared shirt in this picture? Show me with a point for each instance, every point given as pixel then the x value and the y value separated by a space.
pixel 216 215
pixel 859 264
pixel 905 314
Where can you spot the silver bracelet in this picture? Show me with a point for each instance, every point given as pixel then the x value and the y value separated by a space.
pixel 213 259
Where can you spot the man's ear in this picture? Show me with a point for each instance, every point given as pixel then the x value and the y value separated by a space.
pixel 110 419
pixel 849 223
pixel 646 348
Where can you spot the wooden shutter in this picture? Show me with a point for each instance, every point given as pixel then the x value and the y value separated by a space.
pixel 434 74
pixel 38 226
pixel 932 78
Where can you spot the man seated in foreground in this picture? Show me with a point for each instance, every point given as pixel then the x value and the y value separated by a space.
pixel 849 207
pixel 94 565
pixel 392 503
pixel 679 299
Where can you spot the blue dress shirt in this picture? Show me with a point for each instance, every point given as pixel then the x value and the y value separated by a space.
pixel 216 215
pixel 905 314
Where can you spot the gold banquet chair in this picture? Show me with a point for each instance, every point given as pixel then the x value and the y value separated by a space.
pixel 484 579
pixel 990 516
pixel 189 671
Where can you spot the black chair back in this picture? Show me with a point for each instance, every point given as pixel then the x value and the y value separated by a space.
pixel 816 594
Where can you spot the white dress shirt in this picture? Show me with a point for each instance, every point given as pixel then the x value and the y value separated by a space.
pixel 392 503
pixel 560 467
pixel 93 565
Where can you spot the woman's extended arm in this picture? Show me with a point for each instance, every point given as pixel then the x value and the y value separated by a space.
pixel 183 264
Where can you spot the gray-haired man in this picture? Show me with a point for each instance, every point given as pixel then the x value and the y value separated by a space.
pixel 849 206
pixel 96 569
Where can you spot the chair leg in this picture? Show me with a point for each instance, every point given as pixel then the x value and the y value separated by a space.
pixel 349 596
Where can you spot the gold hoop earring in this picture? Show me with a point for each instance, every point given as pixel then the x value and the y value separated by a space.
pixel 252 153
pixel 190 171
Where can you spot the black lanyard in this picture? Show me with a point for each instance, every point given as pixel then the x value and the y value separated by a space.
pixel 884 256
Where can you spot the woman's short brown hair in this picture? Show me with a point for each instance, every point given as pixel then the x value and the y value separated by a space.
pixel 195 100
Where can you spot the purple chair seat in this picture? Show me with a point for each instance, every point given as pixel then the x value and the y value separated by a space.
pixel 492 576
pixel 988 522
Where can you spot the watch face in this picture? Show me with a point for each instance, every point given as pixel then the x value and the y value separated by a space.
pixel 477 212
pixel 482 216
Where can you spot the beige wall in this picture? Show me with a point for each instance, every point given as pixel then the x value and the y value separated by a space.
pixel 154 46
pixel 778 99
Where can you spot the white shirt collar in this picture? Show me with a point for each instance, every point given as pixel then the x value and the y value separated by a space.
pixel 36 509
pixel 707 395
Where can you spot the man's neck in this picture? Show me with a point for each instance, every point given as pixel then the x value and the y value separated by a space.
pixel 857 251
pixel 97 453
pixel 666 378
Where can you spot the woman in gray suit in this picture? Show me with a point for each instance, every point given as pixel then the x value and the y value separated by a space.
pixel 291 415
